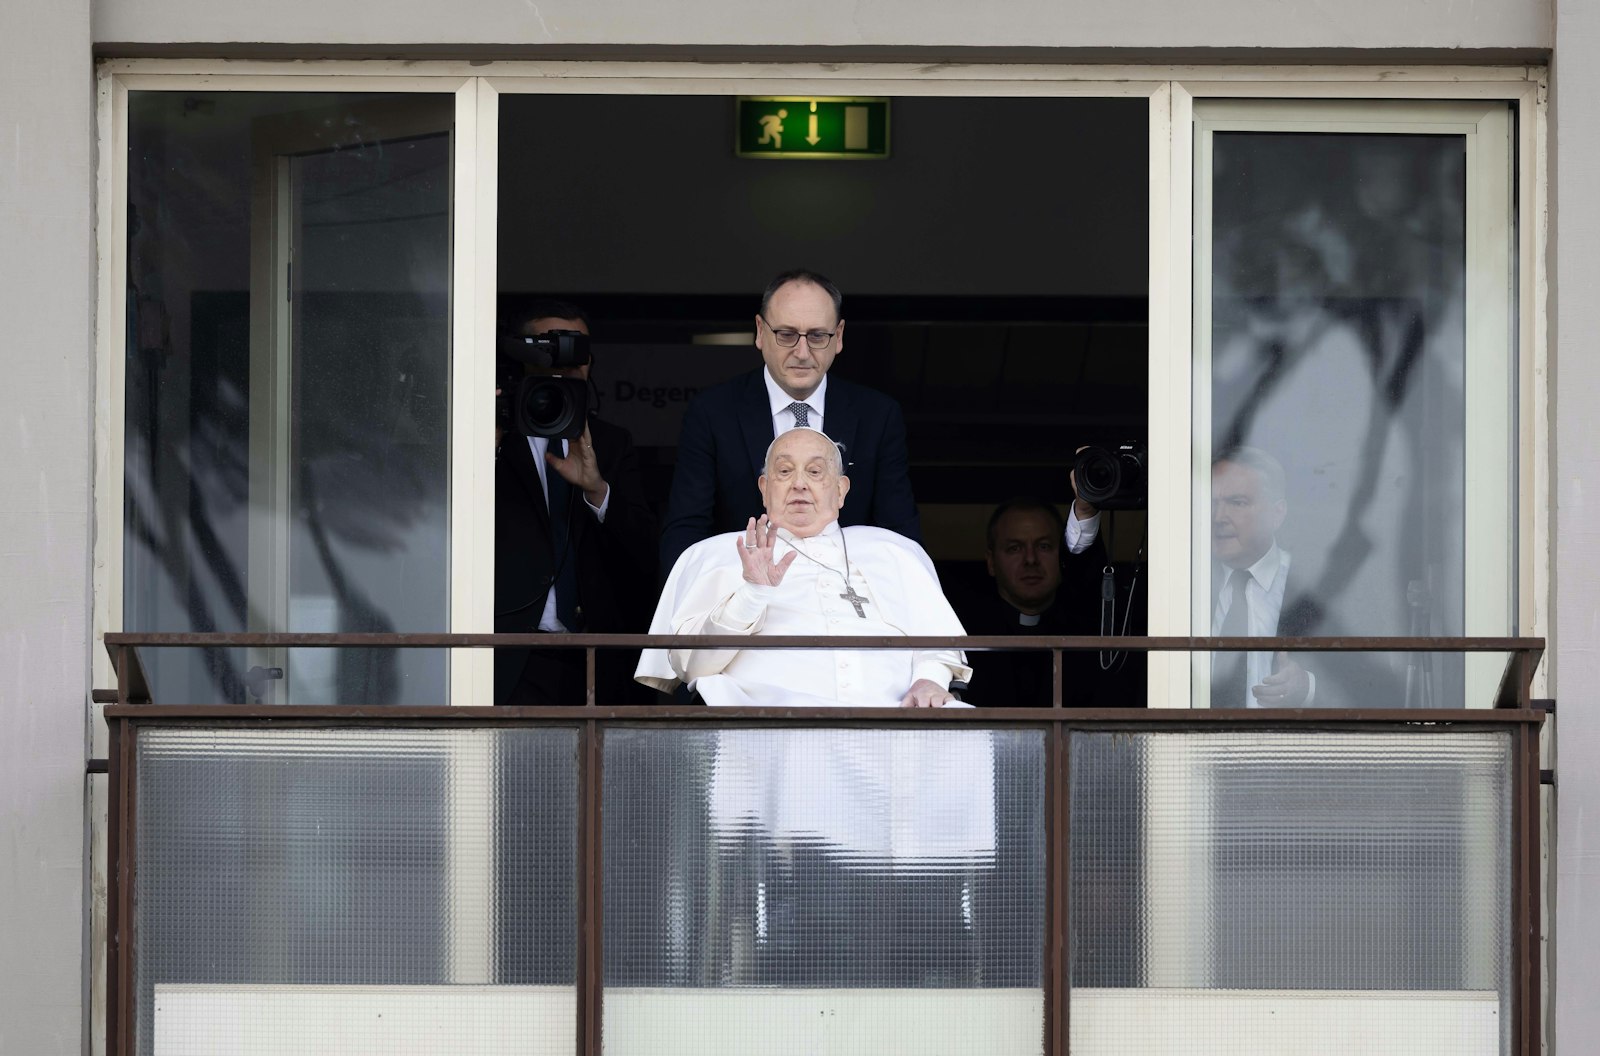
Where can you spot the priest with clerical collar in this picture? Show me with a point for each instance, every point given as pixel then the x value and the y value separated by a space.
pixel 794 571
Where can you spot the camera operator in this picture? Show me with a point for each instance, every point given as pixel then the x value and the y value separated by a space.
pixel 574 538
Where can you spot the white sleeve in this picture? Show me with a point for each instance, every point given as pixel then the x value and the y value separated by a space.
pixel 1081 534
pixel 941 667
pixel 743 612
pixel 605 504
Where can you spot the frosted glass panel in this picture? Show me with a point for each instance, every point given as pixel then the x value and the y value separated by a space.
pixel 291 882
pixel 286 385
pixel 1308 883
pixel 1352 388
pixel 839 891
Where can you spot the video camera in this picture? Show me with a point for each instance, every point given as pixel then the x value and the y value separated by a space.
pixel 534 399
pixel 1113 477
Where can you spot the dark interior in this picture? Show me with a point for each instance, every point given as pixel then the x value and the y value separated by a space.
pixel 994 267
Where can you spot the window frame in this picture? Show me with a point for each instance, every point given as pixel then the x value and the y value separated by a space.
pixel 1490 222
pixel 1171 92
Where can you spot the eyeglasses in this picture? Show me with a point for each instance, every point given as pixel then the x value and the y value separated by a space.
pixel 788 338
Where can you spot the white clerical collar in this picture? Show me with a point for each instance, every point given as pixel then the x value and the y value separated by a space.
pixel 1027 619
pixel 1264 571
pixel 829 529
pixel 781 400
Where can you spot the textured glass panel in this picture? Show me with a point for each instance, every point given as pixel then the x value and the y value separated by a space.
pixel 286 384
pixel 840 891
pixel 1264 892
pixel 1339 363
pixel 294 886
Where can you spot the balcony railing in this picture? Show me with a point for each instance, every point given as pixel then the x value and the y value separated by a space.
pixel 689 880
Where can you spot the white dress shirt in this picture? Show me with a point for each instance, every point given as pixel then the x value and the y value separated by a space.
pixel 1080 534
pixel 783 417
pixel 539 445
pixel 1263 596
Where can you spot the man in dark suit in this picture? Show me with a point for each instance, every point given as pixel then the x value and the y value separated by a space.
pixel 1252 598
pixel 589 566
pixel 726 430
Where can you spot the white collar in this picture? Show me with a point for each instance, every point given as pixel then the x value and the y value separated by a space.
pixel 780 400
pixel 830 529
pixel 1264 571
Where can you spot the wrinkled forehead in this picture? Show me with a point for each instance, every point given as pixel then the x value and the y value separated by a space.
pixel 802 449
pixel 797 303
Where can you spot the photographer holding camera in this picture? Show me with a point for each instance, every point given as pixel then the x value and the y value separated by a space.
pixel 575 540
pixel 1052 576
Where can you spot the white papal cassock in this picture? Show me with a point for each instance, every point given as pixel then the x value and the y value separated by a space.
pixel 908 796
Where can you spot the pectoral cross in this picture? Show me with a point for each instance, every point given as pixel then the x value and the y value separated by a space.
pixel 855 599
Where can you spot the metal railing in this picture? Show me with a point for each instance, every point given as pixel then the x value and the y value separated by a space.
pixel 132 710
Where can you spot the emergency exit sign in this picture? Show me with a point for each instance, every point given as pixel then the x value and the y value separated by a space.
pixel 806 127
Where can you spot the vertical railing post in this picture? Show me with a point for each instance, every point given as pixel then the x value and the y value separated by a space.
pixel 588 676
pixel 1058 938
pixel 590 885
pixel 1525 949
pixel 121 1022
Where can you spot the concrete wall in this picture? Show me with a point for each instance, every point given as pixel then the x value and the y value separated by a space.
pixel 1495 24
pixel 1575 387
pixel 46 356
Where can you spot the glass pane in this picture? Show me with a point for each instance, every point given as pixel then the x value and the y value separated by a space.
pixel 294 888
pixel 1338 498
pixel 287 435
pixel 1290 891
pixel 868 891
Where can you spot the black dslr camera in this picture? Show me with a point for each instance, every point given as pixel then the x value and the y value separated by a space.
pixel 534 400
pixel 1112 476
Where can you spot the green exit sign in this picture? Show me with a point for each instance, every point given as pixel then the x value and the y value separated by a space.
pixel 808 127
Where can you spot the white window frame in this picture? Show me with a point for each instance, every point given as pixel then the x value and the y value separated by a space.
pixel 472 325
pixel 1485 127
pixel 1170 91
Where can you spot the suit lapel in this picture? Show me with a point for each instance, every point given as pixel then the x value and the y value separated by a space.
pixel 840 420
pixel 517 450
pixel 755 422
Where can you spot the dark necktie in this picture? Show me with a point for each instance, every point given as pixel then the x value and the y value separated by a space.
pixel 1228 674
pixel 559 495
pixel 801 412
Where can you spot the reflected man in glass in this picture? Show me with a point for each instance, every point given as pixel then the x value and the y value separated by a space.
pixel 1256 597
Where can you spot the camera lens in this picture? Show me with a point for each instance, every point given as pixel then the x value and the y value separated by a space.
pixel 1112 478
pixel 552 406
pixel 1100 474
pixel 546 406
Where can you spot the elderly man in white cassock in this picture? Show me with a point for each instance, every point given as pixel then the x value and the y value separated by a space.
pixel 794 571
pixel 847 811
